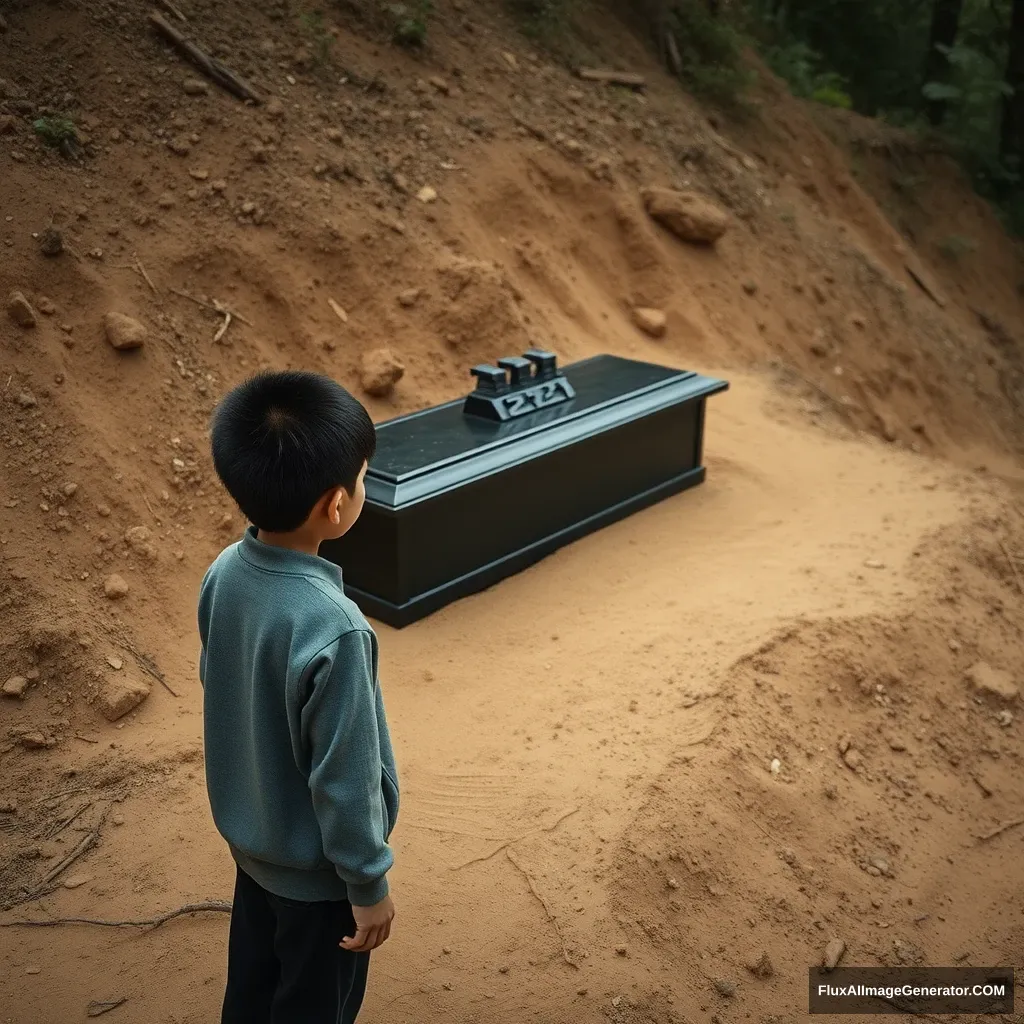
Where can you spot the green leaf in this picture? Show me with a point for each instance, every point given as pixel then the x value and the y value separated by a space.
pixel 940 91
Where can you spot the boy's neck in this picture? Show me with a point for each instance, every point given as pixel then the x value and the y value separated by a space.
pixel 300 540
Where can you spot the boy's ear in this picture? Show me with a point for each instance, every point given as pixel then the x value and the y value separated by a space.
pixel 335 502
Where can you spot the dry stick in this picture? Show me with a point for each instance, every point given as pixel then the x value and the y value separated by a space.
pixel 517 839
pixel 627 78
pixel 1013 568
pixel 222 330
pixel 209 66
pixel 83 847
pixel 547 910
pixel 142 270
pixel 338 311
pixel 222 906
pixel 171 9
pixel 217 307
pixel 1005 827
pixel 148 666
pixel 99 1007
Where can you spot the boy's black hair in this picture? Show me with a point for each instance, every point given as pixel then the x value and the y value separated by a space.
pixel 282 440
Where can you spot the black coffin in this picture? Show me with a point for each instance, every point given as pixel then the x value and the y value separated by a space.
pixel 467 493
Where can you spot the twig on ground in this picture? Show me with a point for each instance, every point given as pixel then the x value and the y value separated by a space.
pixel 547 910
pixel 1013 568
pixel 86 739
pixel 222 330
pixel 97 1008
pixel 146 664
pixel 338 311
pixel 215 307
pixel 148 924
pixel 1005 827
pixel 171 9
pixel 142 270
pixel 518 839
pixel 209 66
pixel 64 824
pixel 83 847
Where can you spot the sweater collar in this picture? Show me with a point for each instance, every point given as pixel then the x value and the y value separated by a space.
pixel 272 558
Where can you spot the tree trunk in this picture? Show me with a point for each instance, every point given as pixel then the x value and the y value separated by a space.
pixel 1012 133
pixel 945 25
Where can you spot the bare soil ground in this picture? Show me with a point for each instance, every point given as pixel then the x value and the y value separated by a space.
pixel 779 709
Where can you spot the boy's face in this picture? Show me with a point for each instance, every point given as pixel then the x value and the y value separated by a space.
pixel 343 509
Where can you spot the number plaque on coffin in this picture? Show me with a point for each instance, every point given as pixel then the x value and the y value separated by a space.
pixel 464 494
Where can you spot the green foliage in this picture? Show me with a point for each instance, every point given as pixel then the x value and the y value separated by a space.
pixel 409 23
pixel 710 52
pixel 58 132
pixel 543 20
pixel 321 40
pixel 803 70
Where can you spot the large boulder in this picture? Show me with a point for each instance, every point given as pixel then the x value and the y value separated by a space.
pixel 689 216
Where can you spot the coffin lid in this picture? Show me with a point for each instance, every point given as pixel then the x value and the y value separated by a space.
pixel 427 453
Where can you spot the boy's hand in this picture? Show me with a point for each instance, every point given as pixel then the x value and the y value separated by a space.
pixel 373 926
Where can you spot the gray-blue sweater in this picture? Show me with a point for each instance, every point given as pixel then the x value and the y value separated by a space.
pixel 299 765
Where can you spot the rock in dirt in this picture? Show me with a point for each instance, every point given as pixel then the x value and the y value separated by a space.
pixel 427 194
pixel 51 242
pixel 121 695
pixel 381 371
pixel 123 332
pixel 115 587
pixel 833 954
pixel 76 881
pixel 853 759
pixel 20 311
pixel 16 686
pixel 36 740
pixel 725 988
pixel 195 87
pixel 409 297
pixel 650 321
pixel 993 682
pixel 687 215
pixel 45 305
pixel 140 540
pixel 762 967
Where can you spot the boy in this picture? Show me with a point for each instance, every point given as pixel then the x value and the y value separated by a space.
pixel 299 766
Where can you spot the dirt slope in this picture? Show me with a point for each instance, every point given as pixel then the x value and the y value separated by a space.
pixel 852 556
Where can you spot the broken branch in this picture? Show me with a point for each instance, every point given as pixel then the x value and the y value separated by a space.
pixel 222 330
pixel 518 839
pixel 142 270
pixel 209 66
pixel 83 847
pixel 608 77
pixel 219 906
pixel 215 307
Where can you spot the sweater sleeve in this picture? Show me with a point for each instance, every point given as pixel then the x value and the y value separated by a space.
pixel 340 725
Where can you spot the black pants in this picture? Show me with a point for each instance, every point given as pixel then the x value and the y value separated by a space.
pixel 284 962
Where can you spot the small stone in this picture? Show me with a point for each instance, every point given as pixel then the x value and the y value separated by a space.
pixel 881 865
pixel 762 967
pixel 76 881
pixel 220 185
pixel 123 332
pixel 195 87
pixel 750 287
pixel 446 950
pixel 115 662
pixel 834 951
pixel 992 682
pixel 622 950
pixel 873 563
pixel 650 321
pixel 33 970
pixel 896 742
pixel 335 135
pixel 275 108
pixel 115 587
pixel 45 305
pixel 687 215
pixel 381 371
pixel 831 792
pixel 51 243
pixel 725 988
pixel 119 696
pixel 427 194
pixel 35 740
pixel 409 297
pixel 27 400
pixel 166 201
pixel 1005 718
pixel 16 687
pixel 19 310
pixel 70 490
pixel 844 744
pixel 776 766
pixel 179 147
pixel 672 883
pixel 440 85
pixel 853 759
